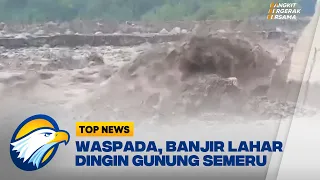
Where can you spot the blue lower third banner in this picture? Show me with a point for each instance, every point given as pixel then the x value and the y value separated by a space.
pixel 148 153
pixel 38 138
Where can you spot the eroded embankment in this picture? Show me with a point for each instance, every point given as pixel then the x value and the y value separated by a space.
pixel 82 40
pixel 73 40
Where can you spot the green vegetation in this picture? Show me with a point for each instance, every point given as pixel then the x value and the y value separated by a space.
pixel 45 10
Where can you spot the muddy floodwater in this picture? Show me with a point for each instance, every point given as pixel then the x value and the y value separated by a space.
pixel 221 81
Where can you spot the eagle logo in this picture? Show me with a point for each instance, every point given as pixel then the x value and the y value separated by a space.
pixel 35 142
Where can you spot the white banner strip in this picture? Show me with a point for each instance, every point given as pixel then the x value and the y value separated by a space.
pixel 301 157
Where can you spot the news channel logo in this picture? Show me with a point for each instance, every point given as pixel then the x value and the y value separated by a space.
pixel 35 142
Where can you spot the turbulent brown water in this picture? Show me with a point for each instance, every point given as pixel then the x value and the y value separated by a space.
pixel 198 77
pixel 226 78
pixel 199 88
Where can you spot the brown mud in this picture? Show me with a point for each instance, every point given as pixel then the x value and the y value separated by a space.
pixel 229 72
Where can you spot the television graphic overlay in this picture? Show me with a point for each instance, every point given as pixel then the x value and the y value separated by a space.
pixel 35 142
